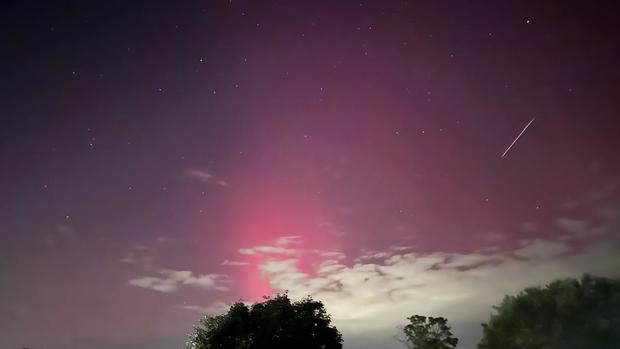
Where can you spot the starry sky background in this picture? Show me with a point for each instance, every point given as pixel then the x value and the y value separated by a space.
pixel 160 160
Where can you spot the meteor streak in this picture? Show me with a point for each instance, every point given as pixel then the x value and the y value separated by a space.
pixel 519 136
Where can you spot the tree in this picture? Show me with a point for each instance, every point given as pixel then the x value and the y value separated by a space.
pixel 428 333
pixel 276 323
pixel 566 314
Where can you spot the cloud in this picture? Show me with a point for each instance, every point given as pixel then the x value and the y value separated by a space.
pixel 495 237
pixel 199 175
pixel 381 288
pixel 575 229
pixel 164 240
pixel 373 255
pixel 140 254
pixel 541 249
pixel 529 226
pixel 596 195
pixel 172 280
pixel 156 342
pixel 603 193
pixel 214 308
pixel 574 226
pixel 145 254
pixel 204 177
pixel 281 248
pixel 333 254
pixel 261 250
pixel 378 292
pixel 400 248
pixel 332 228
pixel 288 240
pixel 233 263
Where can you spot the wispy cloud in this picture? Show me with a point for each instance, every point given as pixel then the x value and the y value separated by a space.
pixel 258 250
pixel 140 254
pixel 233 263
pixel 212 309
pixel 373 255
pixel 204 176
pixel 172 280
pixel 333 255
pixel 401 248
pixel 288 246
pixel 288 240
pixel 332 228
pixel 572 225
pixel 146 253
pixel 164 240
pixel 539 249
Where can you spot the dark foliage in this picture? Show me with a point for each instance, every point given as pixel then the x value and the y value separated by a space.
pixel 428 333
pixel 566 314
pixel 276 323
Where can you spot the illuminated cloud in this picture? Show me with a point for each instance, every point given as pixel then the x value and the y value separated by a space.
pixel 259 250
pixel 288 240
pixel 233 263
pixel 400 248
pixel 378 292
pixel 574 226
pixel 212 309
pixel 281 247
pixel 542 249
pixel 373 255
pixel 333 254
pixel 332 228
pixel 172 280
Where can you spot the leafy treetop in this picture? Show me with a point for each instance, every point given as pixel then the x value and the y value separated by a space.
pixel 566 314
pixel 276 323
pixel 428 333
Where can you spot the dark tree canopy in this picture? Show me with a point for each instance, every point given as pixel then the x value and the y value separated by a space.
pixel 566 314
pixel 276 323
pixel 428 333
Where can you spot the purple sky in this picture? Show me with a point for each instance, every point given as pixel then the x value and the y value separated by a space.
pixel 160 161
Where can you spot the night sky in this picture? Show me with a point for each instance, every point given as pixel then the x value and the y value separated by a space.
pixel 159 160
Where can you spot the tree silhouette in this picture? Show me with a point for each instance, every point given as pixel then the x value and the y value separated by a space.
pixel 566 314
pixel 275 323
pixel 428 333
